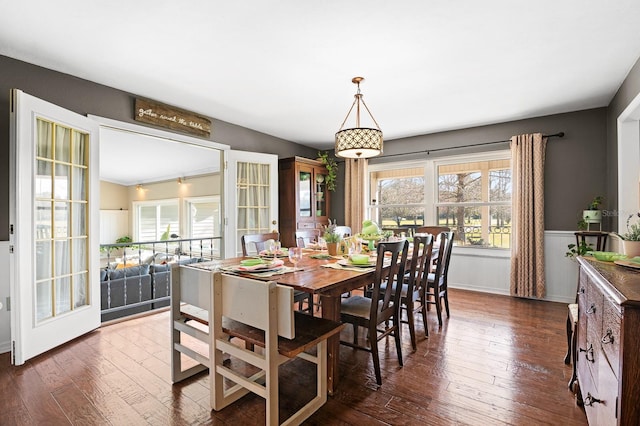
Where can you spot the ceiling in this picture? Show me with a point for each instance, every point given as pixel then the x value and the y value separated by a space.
pixel 128 158
pixel 284 68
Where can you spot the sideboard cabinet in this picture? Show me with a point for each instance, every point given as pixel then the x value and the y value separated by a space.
pixel 608 361
pixel 304 198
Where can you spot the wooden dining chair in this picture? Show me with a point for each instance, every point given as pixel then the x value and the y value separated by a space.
pixel 381 307
pixel 258 241
pixel 258 313
pixel 437 281
pixel 304 237
pixel 414 285
pixel 433 230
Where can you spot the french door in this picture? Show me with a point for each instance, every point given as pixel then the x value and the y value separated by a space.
pixel 54 184
pixel 252 196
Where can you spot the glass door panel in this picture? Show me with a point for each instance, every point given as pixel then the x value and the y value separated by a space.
pixel 304 193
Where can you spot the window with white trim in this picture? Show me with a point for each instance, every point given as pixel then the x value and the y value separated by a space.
pixel 156 220
pixel 471 194
pixel 203 219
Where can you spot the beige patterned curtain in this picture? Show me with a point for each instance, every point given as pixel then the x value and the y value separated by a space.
pixel 527 243
pixel 354 202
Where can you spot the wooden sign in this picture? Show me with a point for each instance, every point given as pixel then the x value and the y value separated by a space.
pixel 173 118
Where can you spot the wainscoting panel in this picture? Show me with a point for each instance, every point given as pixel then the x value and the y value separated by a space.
pixel 489 272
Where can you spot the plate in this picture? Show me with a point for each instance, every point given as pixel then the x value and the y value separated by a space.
pixel 627 264
pixel 345 262
pixel 266 254
pixel 236 269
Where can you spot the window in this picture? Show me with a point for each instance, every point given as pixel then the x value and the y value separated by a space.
pixel 156 220
pixel 204 220
pixel 474 198
pixel 397 197
pixel 470 194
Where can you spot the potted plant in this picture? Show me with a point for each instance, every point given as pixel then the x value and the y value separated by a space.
pixel 593 214
pixel 331 238
pixel 631 239
pixel 332 169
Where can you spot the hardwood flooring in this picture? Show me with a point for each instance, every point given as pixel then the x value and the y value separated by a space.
pixel 497 360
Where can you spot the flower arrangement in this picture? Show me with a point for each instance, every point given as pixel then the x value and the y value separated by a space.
pixel 330 235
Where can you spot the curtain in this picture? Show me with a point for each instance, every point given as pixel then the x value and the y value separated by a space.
pixel 354 202
pixel 527 246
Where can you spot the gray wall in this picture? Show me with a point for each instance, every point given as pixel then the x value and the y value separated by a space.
pixel 626 93
pixel 85 97
pixel 575 166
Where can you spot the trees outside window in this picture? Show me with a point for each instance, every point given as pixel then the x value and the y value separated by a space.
pixel 470 194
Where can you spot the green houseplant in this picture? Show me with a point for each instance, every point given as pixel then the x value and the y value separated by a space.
pixel 331 238
pixel 332 169
pixel 631 238
pixel 593 214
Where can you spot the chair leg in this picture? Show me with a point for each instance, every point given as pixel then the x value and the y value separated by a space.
pixel 373 342
pixel 396 335
pixel 446 302
pixel 412 326
pixel 438 301
pixel 355 333
pixel 567 358
pixel 424 318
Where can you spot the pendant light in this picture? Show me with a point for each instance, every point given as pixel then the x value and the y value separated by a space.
pixel 358 142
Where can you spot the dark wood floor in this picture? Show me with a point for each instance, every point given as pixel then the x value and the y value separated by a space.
pixel 497 360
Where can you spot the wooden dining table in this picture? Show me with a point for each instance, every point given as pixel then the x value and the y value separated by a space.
pixel 328 283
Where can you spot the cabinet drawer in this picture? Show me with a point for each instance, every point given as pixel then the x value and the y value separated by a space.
pixel 611 318
pixel 306 225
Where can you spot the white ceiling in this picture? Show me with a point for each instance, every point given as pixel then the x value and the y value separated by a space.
pixel 285 67
pixel 128 158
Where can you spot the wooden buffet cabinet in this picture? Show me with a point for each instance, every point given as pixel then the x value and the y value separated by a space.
pixel 608 361
pixel 304 198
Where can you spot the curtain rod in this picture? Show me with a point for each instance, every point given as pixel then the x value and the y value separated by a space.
pixel 428 151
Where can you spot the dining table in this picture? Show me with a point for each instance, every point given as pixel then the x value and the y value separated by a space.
pixel 318 274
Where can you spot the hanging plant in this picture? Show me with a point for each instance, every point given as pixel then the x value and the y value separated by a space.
pixel 332 169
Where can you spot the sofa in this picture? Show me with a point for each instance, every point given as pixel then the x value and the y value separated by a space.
pixel 134 289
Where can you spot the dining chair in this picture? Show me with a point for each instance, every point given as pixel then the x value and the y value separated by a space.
pixel 414 285
pixel 259 241
pixel 433 230
pixel 343 231
pixel 304 237
pixel 381 307
pixel 265 320
pixel 437 280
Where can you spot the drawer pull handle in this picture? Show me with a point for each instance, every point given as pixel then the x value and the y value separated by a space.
pixel 588 353
pixel 608 338
pixel 592 309
pixel 590 400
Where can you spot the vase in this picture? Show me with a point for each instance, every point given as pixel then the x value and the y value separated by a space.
pixel 332 248
pixel 631 248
